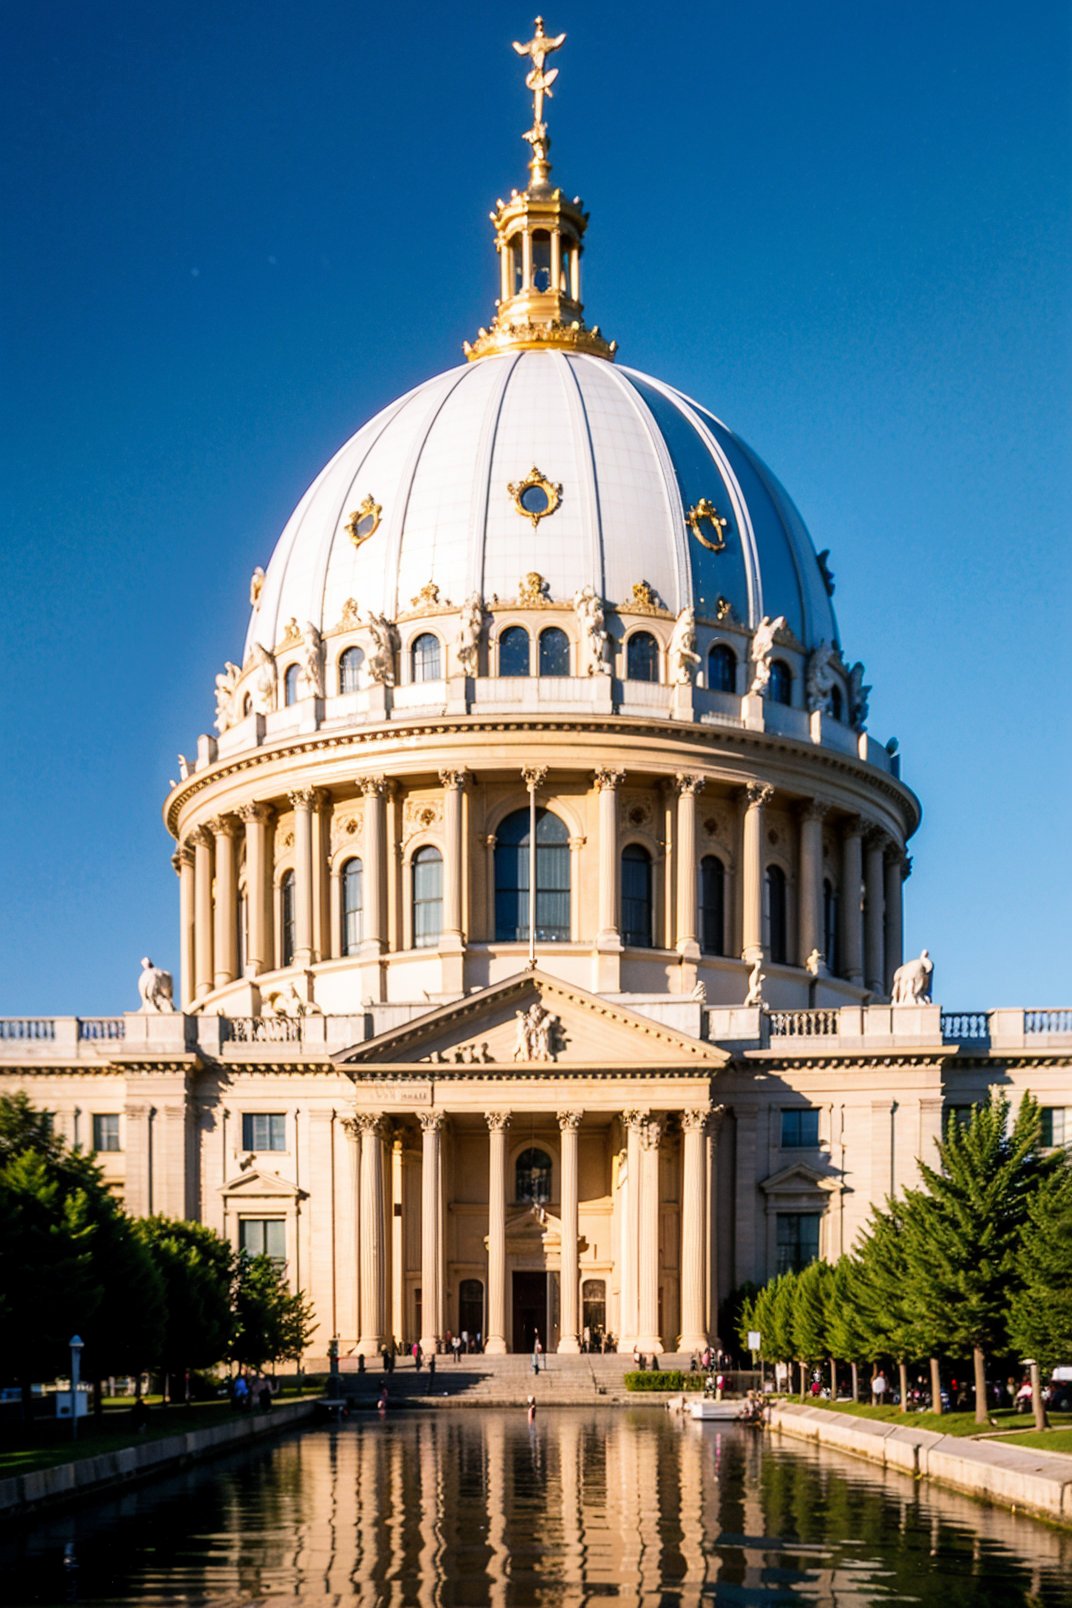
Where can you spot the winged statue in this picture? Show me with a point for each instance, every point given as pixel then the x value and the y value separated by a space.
pixel 538 48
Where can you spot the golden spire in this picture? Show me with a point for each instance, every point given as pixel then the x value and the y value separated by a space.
pixel 538 235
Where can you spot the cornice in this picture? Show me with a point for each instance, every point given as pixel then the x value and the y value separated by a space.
pixel 681 735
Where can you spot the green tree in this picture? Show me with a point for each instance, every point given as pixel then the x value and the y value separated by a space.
pixel 197 1270
pixel 271 1323
pixel 845 1331
pixel 963 1231
pixel 1040 1315
pixel 887 1320
pixel 810 1329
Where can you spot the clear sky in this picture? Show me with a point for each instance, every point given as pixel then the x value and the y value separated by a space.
pixel 234 231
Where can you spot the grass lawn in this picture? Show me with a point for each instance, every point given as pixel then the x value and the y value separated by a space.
pixel 953 1423
pixel 1045 1440
pixel 112 1432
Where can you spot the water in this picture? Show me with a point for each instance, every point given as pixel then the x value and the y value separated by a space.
pixel 463 1508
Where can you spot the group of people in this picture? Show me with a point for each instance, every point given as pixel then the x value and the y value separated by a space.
pixel 644 1362
pixel 252 1391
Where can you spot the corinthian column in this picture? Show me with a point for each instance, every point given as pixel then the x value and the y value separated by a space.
pixel 183 861
pixel 302 803
pixel 688 790
pixel 897 864
pixel 649 1338
pixel 569 1279
pixel 852 931
pixel 693 1235
pixel 632 1122
pixel 874 914
pixel 431 1276
pixel 373 1247
pixel 757 795
pixel 495 1340
pixel 225 831
pixel 255 818
pixel 608 783
pixel 373 925
pixel 203 970
pixel 811 881
pixel 453 783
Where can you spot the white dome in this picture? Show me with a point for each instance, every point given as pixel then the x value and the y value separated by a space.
pixel 632 456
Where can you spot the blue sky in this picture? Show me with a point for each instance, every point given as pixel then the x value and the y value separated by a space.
pixel 235 231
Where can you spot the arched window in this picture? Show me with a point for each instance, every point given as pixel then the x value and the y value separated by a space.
pixel 541 259
pixel 636 898
pixel 352 905
pixel 554 652
pixel 712 905
pixel 780 689
pixel 514 652
pixel 512 879
pixel 532 1177
pixel 286 919
pixel 426 657
pixel 722 669
pixel 837 704
pixel 427 898
pixel 351 663
pixel 776 915
pixel 830 926
pixel 471 1307
pixel 642 657
pixel 593 1310
pixel 290 685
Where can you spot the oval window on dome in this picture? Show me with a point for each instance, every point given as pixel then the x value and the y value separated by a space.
pixel 364 521
pixel 534 500
pixel 536 497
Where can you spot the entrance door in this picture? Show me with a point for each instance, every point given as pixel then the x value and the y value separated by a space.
pixel 530 1310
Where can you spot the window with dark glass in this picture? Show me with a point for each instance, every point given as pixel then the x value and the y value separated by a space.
pixel 836 703
pixel 532 1177
pixel 286 918
pixel 471 1307
pixel 554 652
pixel 352 905
pixel 512 879
pixel 263 1236
pixel 1056 1126
pixel 426 657
pixel 290 685
pixel 830 927
pixel 350 666
pixel 427 898
pixel 776 914
pixel 780 686
pixel 722 669
pixel 264 1130
pixel 594 1308
pixel 541 259
pixel 637 923
pixel 712 905
pixel 106 1131
pixel 514 651
pixel 642 657
pixel 800 1128
pixel 798 1240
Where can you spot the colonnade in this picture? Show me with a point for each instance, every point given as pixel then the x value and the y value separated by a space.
pixel 215 951
pixel 638 1204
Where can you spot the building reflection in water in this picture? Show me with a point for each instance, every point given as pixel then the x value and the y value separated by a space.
pixel 467 1507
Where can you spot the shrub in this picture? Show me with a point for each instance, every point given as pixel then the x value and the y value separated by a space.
pixel 663 1379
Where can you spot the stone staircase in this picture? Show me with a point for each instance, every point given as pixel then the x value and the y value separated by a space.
pixel 481 1381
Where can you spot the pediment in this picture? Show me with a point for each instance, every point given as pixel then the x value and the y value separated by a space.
pixel 534 1023
pixel 799 1178
pixel 262 1186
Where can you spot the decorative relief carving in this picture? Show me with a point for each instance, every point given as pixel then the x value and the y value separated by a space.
pixel 696 1120
pixel 364 521
pixel 758 794
pixel 637 810
pixel 538 1032
pixel 535 497
pixel 427 597
pixel 682 656
pixel 248 813
pixel 533 590
pixel 651 1133
pixel 454 779
pixel 534 776
pixel 350 616
pixel 461 1055
pixel 569 1119
pixel 690 785
pixel 431 1121
pixel 262 693
pixel 707 525
pixel 858 698
pixel 470 630
pixel 373 786
pixel 420 815
pixel 380 662
pixel 724 611
pixel 608 780
pixel 497 1121
pixel 312 659
pixel 591 620
pixel 762 649
pixel 643 599
pixel 756 978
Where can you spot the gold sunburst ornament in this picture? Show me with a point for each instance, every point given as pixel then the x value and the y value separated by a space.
pixel 535 497
pixel 707 525
pixel 364 521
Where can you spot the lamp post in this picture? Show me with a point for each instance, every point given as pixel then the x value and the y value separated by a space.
pixel 76 1344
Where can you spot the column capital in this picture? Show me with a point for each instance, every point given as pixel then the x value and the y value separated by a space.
pixel 351 1127
pixel 875 837
pixel 224 826
pixel 373 786
pixel 497 1121
pixel 432 1121
pixel 853 826
pixel 608 780
pixel 304 798
pixel 634 1119
pixel 894 854
pixel 533 775
pixel 651 1133
pixel 815 809
pixel 569 1119
pixel 757 794
pixel 688 784
pixel 454 780
pixel 201 837
pixel 184 855
pixel 370 1122
pixel 248 813
pixel 696 1120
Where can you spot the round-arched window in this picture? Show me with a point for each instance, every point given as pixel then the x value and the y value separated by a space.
pixel 512 862
pixel 830 927
pixel 712 905
pixel 780 688
pixel 777 914
pixel 427 897
pixel 722 669
pixel 637 923
pixel 642 657
pixel 554 652
pixel 290 685
pixel 514 651
pixel 351 664
pixel 532 1177
pixel 352 905
pixel 286 919
pixel 426 657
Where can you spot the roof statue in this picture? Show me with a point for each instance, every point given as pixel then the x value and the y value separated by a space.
pixel 538 49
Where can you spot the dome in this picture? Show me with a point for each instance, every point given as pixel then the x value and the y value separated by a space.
pixel 651 488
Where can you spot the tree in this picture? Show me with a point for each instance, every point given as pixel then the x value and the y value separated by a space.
pixel 270 1321
pixel 845 1333
pixel 886 1319
pixel 809 1316
pixel 1040 1316
pixel 963 1230
pixel 197 1269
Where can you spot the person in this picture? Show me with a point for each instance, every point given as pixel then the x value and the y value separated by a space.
pixel 1023 1397
pixel 456 1345
pixel 240 1392
pixel 264 1396
pixel 878 1388
pixel 381 1400
pixel 536 1350
pixel 636 1356
pixel 465 1341
pixel 431 1365
pixel 361 1362
pixel 417 1355
pixel 532 1409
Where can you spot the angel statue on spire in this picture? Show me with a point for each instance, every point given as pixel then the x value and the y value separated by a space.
pixel 538 49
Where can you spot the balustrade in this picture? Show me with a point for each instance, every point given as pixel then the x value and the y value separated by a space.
pixel 27 1027
pixel 803 1024
pixel 965 1026
pixel 1048 1021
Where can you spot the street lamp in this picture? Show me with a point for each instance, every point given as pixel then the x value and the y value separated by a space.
pixel 76 1344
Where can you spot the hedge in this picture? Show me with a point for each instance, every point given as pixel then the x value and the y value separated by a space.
pixel 663 1379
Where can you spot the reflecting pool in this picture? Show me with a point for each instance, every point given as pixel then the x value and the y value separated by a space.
pixel 464 1507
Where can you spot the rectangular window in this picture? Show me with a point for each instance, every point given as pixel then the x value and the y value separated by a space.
pixel 1056 1126
pixel 960 1114
pixel 264 1130
pixel 800 1129
pixel 263 1236
pixel 106 1132
pixel 798 1240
